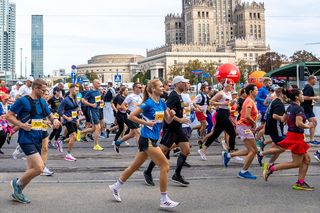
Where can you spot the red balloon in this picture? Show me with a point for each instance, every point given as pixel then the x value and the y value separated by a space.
pixel 228 71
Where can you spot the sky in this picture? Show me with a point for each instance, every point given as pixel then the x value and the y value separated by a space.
pixel 76 30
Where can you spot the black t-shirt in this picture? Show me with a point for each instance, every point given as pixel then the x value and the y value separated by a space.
pixel 164 96
pixel 108 97
pixel 118 100
pixel 175 102
pixel 54 103
pixel 292 112
pixel 307 104
pixel 273 126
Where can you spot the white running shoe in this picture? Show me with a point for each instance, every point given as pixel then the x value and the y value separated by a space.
pixel 115 193
pixel 202 154
pixel 113 143
pixel 168 204
pixel 127 143
pixel 46 172
pixel 18 153
pixel 236 158
pixel 69 157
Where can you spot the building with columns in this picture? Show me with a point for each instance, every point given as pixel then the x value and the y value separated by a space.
pixel 110 65
pixel 217 31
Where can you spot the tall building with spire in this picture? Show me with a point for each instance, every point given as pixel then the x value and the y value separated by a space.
pixel 7 40
pixel 37 46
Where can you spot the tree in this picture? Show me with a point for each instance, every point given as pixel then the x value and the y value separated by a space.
pixel 142 77
pixel 91 76
pixel 245 70
pixel 270 61
pixel 303 56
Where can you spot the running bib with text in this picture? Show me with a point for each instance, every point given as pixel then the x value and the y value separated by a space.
pixel 97 99
pixel 36 124
pixel 74 114
pixel 159 116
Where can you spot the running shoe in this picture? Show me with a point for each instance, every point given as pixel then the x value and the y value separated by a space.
pixel 304 186
pixel 90 137
pixel 116 148
pixel 84 139
pixel 314 143
pixel 46 172
pixel 202 154
pixel 22 199
pixel 246 175
pixel 148 179
pixel 224 145
pixel 168 203
pixel 59 145
pixel 180 180
pixel 127 143
pixel 51 146
pixel 260 144
pixel 260 158
pixel 1 152
pixel 266 171
pixel 225 158
pixel 186 164
pixel 237 158
pixel 115 193
pixel 108 132
pixel 18 153
pixel 8 138
pixel 176 152
pixel 69 157
pixel 118 143
pixel 317 155
pixel 98 148
pixel 200 144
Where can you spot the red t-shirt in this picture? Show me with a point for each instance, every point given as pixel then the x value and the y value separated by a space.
pixel 4 89
pixel 248 103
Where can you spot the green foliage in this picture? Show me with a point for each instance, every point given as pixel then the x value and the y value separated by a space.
pixel 245 70
pixel 142 77
pixel 303 56
pixel 271 60
pixel 91 76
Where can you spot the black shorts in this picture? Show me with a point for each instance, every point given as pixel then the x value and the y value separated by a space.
pixel 187 131
pixel 71 127
pixel 131 124
pixel 144 143
pixel 100 114
pixel 45 134
pixel 276 138
pixel 31 148
pixel 263 118
pixel 310 114
pixel 87 116
pixel 171 136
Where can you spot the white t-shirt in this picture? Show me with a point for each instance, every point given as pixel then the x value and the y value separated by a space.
pixel 133 101
pixel 24 90
pixel 14 92
pixel 198 100
pixel 187 109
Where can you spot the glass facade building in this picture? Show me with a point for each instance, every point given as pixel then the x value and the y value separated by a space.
pixel 37 46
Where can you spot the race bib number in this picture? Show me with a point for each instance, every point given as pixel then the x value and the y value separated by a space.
pixel 56 115
pixel 36 124
pixel 74 114
pixel 247 131
pixel 45 127
pixel 102 104
pixel 78 99
pixel 159 116
pixel 97 99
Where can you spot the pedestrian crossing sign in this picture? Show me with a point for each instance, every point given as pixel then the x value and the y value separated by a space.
pixel 117 78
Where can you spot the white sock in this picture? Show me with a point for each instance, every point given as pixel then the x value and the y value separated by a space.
pixel 118 184
pixel 243 171
pixel 164 196
pixel 229 155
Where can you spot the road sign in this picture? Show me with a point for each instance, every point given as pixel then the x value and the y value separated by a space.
pixel 73 67
pixel 117 78
pixel 79 80
pixel 197 72
pixel 205 75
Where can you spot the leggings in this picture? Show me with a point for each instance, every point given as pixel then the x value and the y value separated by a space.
pixel 55 133
pixel 3 137
pixel 209 121
pixel 121 119
pixel 223 123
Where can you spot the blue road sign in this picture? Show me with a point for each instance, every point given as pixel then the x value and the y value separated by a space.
pixel 79 80
pixel 197 72
pixel 73 67
pixel 205 75
pixel 117 78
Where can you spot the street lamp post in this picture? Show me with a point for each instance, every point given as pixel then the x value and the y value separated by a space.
pixel 25 66
pixel 21 62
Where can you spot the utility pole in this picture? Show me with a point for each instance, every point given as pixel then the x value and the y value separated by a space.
pixel 25 67
pixel 20 62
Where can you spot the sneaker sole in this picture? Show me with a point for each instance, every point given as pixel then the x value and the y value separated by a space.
pixel 301 189
pixel 182 184
pixel 169 207
pixel 246 178
pixel 18 200
pixel 111 189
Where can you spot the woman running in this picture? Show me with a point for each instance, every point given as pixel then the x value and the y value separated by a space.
pixel 154 110
pixel 294 141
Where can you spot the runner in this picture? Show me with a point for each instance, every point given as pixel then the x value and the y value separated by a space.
pixel 30 134
pixel 173 133
pixel 54 104
pixel 154 111
pixel 93 99
pixel 245 126
pixel 294 141
pixel 68 110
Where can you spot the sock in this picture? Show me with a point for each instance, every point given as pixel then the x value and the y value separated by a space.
pixel 229 155
pixel 272 168
pixel 243 171
pixel 168 155
pixel 118 184
pixel 300 181
pixel 69 152
pixel 163 196
pixel 19 182
pixel 150 167
pixel 180 162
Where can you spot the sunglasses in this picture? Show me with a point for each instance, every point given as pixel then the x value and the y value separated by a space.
pixel 139 87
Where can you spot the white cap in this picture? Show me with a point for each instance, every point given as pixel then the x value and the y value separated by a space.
pixel 19 82
pixel 30 78
pixel 179 79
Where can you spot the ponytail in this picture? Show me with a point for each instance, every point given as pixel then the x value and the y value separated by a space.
pixel 148 89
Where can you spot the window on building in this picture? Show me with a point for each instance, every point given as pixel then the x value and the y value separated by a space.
pixel 257 55
pixel 254 15
pixel 250 14
pixel 175 62
pixel 199 14
pixel 207 14
pixel 180 25
pixel 250 55
pixel 245 55
pixel 258 15
pixel 176 24
pixel 203 15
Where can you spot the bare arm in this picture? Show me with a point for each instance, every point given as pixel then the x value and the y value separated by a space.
pixel 300 124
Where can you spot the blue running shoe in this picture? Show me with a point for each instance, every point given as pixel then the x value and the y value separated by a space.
pixel 22 199
pixel 317 155
pixel 118 143
pixel 225 158
pixel 17 192
pixel 314 143
pixel 246 175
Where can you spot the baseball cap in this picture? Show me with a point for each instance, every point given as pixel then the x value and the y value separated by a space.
pixel 19 82
pixel 179 79
pixel 30 78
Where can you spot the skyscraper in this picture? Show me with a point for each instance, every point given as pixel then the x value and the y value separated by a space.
pixel 37 46
pixel 7 39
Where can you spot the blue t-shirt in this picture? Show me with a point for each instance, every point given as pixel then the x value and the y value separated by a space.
pixel 262 95
pixel 93 96
pixel 22 109
pixel 153 111
pixel 69 108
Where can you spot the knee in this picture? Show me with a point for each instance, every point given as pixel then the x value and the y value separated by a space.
pixel 165 167
pixel 186 152
pixel 39 169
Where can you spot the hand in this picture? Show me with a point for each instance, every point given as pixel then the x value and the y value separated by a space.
pixel 26 126
pixel 185 121
pixel 172 113
pixel 151 123
pixel 80 112
pixel 226 103
pixel 94 105
pixel 56 123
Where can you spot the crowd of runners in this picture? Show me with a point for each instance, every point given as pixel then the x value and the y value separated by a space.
pixel 160 117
